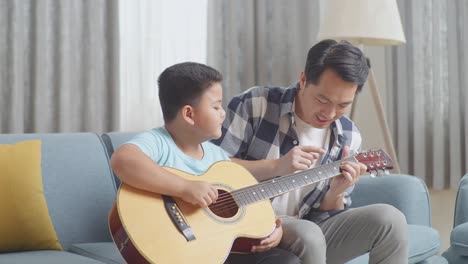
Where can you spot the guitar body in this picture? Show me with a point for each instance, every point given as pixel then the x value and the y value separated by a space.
pixel 144 232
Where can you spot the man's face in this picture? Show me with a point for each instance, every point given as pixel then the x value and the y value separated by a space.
pixel 319 105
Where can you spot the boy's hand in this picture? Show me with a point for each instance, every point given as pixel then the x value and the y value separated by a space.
pixel 199 193
pixel 272 240
pixel 298 158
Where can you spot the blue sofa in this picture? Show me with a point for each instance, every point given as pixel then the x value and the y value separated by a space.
pixel 457 253
pixel 80 189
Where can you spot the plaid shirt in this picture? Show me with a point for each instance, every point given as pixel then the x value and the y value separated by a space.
pixel 259 125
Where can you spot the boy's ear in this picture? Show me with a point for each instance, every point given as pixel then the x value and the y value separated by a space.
pixel 187 114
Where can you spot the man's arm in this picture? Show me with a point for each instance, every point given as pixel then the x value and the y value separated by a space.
pixel 298 158
pixel 135 168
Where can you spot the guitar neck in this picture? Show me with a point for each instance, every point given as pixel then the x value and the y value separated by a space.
pixel 284 184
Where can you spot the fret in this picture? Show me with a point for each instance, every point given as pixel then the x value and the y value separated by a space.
pixel 327 172
pixel 260 194
pixel 247 196
pixel 287 184
pixel 268 190
pixel 240 197
pixel 301 181
pixel 295 182
pixel 336 169
pixel 321 174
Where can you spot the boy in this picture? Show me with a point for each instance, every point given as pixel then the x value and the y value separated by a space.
pixel 191 101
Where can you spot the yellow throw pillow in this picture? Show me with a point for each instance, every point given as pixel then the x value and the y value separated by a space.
pixel 24 221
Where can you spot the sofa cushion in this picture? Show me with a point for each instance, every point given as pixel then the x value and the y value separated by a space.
pixel 45 257
pixel 106 252
pixel 459 239
pixel 26 224
pixel 78 184
pixel 423 243
pixel 454 258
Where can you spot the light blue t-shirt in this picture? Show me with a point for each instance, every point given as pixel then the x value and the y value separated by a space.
pixel 158 144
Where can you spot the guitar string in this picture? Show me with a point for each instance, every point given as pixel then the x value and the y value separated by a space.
pixel 270 183
pixel 277 181
pixel 229 199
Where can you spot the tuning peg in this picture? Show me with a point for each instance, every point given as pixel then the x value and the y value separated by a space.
pixel 380 173
pixel 372 174
pixel 387 172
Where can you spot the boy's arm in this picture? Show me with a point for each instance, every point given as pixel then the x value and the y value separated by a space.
pixel 135 168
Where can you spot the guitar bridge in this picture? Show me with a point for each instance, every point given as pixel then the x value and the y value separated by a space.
pixel 178 218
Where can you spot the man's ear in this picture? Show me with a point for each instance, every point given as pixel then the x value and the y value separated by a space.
pixel 302 81
pixel 187 114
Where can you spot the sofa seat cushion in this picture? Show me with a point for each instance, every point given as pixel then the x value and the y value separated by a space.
pixel 45 257
pixel 454 258
pixel 25 223
pixel 423 242
pixel 106 252
pixel 459 239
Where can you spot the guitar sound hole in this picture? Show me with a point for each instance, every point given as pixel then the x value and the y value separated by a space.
pixel 225 206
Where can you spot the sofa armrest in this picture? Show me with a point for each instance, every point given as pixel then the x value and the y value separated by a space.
pixel 459 239
pixel 461 205
pixel 407 193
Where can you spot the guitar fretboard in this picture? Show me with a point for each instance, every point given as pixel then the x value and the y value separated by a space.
pixel 280 185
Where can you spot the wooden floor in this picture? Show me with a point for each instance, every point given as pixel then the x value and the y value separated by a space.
pixel 442 206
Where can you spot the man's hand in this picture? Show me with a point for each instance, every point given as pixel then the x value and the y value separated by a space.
pixel 351 172
pixel 272 240
pixel 199 193
pixel 298 158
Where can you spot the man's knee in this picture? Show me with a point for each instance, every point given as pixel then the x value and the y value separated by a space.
pixel 303 237
pixel 386 214
pixel 389 218
pixel 313 237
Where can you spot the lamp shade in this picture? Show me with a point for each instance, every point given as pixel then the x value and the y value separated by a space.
pixel 368 22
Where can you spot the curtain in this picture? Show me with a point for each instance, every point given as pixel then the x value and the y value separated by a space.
pixel 155 34
pixel 428 90
pixel 58 71
pixel 260 42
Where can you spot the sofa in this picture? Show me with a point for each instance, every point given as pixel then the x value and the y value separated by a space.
pixel 80 188
pixel 457 253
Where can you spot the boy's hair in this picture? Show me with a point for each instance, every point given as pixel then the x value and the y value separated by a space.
pixel 183 84
pixel 346 60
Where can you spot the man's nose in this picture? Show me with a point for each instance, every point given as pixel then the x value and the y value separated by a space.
pixel 329 112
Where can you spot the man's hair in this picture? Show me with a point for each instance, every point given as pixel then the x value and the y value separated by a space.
pixel 183 84
pixel 346 60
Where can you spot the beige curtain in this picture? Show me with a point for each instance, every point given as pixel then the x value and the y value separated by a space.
pixel 260 42
pixel 428 91
pixel 58 66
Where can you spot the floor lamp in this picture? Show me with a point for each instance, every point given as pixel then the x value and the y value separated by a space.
pixel 365 22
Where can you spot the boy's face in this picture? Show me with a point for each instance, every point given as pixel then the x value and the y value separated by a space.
pixel 322 104
pixel 209 113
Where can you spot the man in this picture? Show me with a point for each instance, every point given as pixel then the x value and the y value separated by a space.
pixel 277 131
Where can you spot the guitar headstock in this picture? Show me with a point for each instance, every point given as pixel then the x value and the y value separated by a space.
pixel 377 161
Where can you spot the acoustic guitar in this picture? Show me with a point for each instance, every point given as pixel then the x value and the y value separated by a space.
pixel 151 228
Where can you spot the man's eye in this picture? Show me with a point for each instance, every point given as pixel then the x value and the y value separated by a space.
pixel 321 101
pixel 344 106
